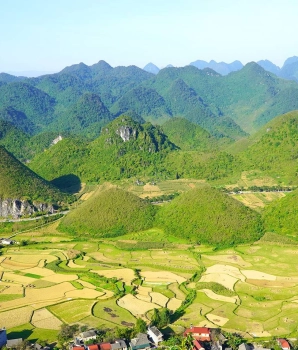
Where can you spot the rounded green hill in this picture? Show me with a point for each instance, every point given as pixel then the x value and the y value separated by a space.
pixel 110 212
pixel 209 216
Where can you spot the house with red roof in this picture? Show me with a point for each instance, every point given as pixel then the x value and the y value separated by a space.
pixel 105 346
pixel 283 344
pixel 78 348
pixel 93 347
pixel 198 333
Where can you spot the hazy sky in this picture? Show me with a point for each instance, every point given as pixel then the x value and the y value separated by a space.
pixel 47 35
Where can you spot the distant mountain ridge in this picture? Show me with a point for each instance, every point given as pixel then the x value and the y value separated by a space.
pixel 219 67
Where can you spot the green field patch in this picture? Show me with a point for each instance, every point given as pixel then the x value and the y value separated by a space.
pixel 216 288
pixel 43 284
pixel 260 292
pixel 108 310
pixel 152 235
pixel 31 333
pixel 32 275
pixel 8 297
pixel 77 284
pixel 174 287
pixel 196 311
pixel 163 289
pixel 72 311
pixel 86 247
pixel 252 309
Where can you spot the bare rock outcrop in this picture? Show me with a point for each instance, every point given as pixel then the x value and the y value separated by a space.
pixel 16 208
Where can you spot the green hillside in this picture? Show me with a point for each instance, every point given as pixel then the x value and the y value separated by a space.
pixel 86 117
pixel 274 149
pixel 226 106
pixel 17 118
pixel 111 212
pixel 250 96
pixel 12 138
pixel 17 181
pixel 281 216
pixel 125 148
pixel 211 217
pixel 64 158
pixel 35 104
pixel 146 102
pixel 189 136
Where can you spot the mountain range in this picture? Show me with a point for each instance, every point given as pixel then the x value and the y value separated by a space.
pixel 289 70
pixel 82 99
pixel 180 122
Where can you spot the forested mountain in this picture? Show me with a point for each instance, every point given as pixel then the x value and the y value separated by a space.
pixel 125 148
pixel 81 99
pixel 12 138
pixel 8 78
pixel 37 105
pixel 87 116
pixel 17 118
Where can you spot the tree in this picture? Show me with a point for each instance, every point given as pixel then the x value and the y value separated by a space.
pixel 161 317
pixel 155 321
pixel 140 326
pixel 234 340
pixel 187 342
pixel 165 317
pixel 67 332
pixel 124 333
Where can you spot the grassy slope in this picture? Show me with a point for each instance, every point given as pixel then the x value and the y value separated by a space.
pixel 274 149
pixel 209 216
pixel 281 216
pixel 17 181
pixel 110 213
pixel 189 136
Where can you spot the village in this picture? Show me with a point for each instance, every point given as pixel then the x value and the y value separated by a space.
pixel 193 338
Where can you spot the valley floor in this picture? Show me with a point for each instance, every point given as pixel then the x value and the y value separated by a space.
pixel 251 289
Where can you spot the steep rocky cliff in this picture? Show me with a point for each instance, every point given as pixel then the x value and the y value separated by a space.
pixel 16 208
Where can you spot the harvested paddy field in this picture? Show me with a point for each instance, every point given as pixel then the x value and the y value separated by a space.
pixel 135 306
pixel 125 275
pixel 42 318
pixel 162 277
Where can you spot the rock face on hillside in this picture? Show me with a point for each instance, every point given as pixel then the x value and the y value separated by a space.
pixel 126 132
pixel 16 208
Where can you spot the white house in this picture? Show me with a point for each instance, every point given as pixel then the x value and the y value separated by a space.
pixel 155 335
pixel 88 335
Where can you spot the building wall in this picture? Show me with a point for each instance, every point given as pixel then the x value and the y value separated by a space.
pixel 3 337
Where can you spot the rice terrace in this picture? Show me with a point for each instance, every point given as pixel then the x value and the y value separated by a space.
pixel 57 278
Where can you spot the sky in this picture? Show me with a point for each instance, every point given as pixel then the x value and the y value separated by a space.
pixel 48 35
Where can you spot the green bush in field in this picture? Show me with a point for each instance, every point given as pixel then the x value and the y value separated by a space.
pixel 108 213
pixel 209 216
